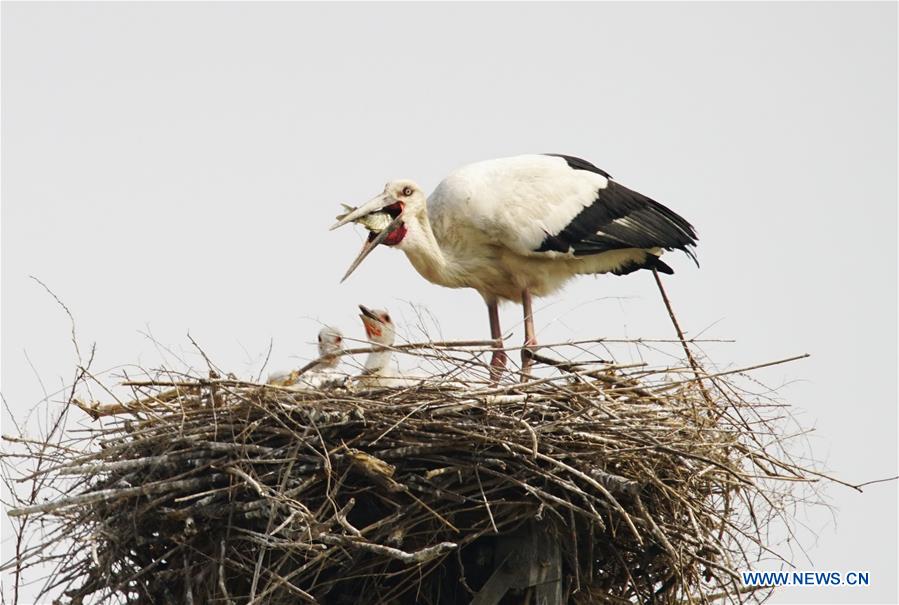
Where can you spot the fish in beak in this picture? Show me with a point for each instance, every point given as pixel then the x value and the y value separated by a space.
pixel 382 216
pixel 353 215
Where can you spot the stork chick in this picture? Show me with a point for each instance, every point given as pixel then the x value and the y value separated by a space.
pixel 324 373
pixel 380 331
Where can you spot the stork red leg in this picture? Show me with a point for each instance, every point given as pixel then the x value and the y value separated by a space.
pixel 498 361
pixel 530 339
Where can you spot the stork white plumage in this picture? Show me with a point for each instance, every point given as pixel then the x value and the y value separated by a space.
pixel 324 372
pixel 518 227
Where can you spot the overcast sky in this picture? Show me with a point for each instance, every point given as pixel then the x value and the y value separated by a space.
pixel 174 167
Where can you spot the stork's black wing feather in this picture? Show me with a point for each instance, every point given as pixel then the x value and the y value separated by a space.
pixel 622 218
pixel 579 164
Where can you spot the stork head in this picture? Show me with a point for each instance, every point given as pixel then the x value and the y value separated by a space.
pixel 399 201
pixel 378 325
pixel 330 342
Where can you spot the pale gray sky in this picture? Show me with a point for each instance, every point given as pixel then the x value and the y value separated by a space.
pixel 172 167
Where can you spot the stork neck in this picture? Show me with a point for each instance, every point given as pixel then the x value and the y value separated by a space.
pixel 377 361
pixel 425 252
pixel 328 361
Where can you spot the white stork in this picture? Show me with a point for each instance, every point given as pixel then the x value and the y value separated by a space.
pixel 518 227
pixel 324 372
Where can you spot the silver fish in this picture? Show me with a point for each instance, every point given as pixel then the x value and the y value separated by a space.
pixel 374 222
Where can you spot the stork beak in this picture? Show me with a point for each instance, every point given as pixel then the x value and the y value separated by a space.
pixel 370 245
pixel 370 322
pixel 373 205
pixel 366 312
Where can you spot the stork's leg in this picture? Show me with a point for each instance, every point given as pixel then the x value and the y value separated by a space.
pixel 498 361
pixel 530 339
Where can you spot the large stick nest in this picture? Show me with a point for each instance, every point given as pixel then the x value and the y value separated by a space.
pixel 658 486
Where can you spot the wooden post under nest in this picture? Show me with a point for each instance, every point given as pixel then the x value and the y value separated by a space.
pixel 529 557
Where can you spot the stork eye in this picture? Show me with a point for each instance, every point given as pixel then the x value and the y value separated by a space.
pixel 407 190
pixel 338 340
pixel 386 317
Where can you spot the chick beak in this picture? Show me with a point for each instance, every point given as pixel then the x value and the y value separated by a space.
pixel 370 321
pixel 366 312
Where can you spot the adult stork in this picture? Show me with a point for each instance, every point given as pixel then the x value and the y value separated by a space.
pixel 513 228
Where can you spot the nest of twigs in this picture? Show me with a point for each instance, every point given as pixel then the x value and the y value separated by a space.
pixel 657 484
